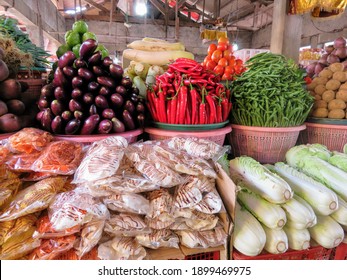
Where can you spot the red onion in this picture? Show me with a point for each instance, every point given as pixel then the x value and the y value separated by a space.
pixel 329 49
pixel 323 59
pixel 310 68
pixel 341 52
pixel 319 67
pixel 339 42
pixel 332 58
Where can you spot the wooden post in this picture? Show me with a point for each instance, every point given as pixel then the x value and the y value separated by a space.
pixel 177 23
pixel 278 25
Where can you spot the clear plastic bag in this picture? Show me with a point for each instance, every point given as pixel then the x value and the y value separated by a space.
pixel 121 248
pixel 33 198
pixel 20 246
pixel 59 157
pixel 8 189
pixel 22 162
pixel 72 255
pixel 126 225
pixel 72 208
pixel 6 173
pixel 45 229
pixel 102 160
pixel 4 152
pixel 29 140
pixel 211 203
pixel 128 203
pixel 90 236
pixel 188 194
pixel 159 238
pixel 12 229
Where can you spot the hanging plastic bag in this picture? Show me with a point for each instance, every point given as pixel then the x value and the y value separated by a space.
pixel 33 198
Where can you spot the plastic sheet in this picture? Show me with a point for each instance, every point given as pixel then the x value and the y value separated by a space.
pixel 33 198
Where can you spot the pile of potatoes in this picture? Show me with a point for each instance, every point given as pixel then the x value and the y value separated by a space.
pixel 329 89
pixel 17 108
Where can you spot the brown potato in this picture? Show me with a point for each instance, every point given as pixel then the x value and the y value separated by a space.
pixel 340 76
pixel 319 89
pixel 342 94
pixel 336 104
pixel 320 113
pixel 336 114
pixel 328 95
pixel 333 84
pixel 15 106
pixel 320 104
pixel 10 89
pixel 326 72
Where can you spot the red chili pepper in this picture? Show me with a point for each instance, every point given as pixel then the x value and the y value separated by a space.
pixel 182 103
pixel 173 110
pixel 186 60
pixel 225 109
pixel 202 109
pixel 151 105
pixel 178 69
pixel 168 111
pixel 212 109
pixel 193 100
pixel 219 112
pixel 162 106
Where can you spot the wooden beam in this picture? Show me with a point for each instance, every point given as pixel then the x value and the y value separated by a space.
pixel 180 3
pixel 158 5
pixel 97 6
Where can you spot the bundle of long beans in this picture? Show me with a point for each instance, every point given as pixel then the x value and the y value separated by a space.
pixel 270 93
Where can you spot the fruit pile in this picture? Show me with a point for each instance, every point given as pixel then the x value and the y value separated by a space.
pixel 16 105
pixel 89 95
pixel 221 61
pixel 76 36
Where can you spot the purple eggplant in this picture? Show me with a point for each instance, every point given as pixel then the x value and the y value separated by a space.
pixel 140 107
pixel 104 91
pixel 46 119
pixel 79 63
pixel 108 113
pixel 93 86
pixel 116 71
pixel 66 59
pixel 101 102
pixel 141 120
pixel 57 107
pixel 117 100
pixel 92 110
pixel 60 93
pixel 95 59
pixel 135 91
pixel 85 74
pixel 75 105
pixel 126 82
pixel 107 61
pixel 98 71
pixel 59 79
pixel 76 93
pixel 90 124
pixel 43 103
pixel 106 81
pixel 39 116
pixel 117 125
pixel 88 98
pixel 121 90
pixel 128 120
pixel 78 115
pixel 57 125
pixel 129 106
pixel 69 71
pixel 87 48
pixel 47 90
pixel 72 126
pixel 134 98
pixel 66 115
pixel 77 82
pixel 104 127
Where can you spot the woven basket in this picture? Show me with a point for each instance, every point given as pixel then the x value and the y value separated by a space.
pixel 334 137
pixel 35 79
pixel 264 144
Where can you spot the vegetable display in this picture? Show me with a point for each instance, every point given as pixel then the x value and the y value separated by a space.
pixel 270 93
pixel 89 95
pixel 188 94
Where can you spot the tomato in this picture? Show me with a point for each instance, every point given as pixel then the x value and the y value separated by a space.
pixel 207 58
pixel 210 65
pixel 219 70
pixel 227 76
pixel 229 69
pixel 216 56
pixel 223 62
pixel 232 61
pixel 239 62
pixel 227 54
pixel 223 40
pixel 222 47
pixel 211 48
pixel 239 69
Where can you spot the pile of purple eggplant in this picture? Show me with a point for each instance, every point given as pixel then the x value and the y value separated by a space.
pixel 89 95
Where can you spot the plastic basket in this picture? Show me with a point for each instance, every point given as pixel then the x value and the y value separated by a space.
pixel 340 252
pixel 35 80
pixel 204 256
pixel 215 135
pixel 332 136
pixel 314 253
pixel 264 144
pixel 131 136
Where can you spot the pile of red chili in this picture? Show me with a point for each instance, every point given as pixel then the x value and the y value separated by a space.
pixel 187 93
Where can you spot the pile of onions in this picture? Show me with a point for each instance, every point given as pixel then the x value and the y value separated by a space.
pixel 333 53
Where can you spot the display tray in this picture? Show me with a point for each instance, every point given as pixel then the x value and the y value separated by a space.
pixel 327 121
pixel 189 127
